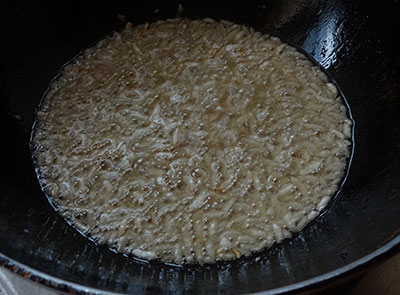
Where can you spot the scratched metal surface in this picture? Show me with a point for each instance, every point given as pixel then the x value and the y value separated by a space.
pixel 352 40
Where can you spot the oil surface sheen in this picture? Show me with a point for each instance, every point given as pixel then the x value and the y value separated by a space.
pixel 191 141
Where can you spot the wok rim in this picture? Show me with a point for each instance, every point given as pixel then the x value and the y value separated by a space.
pixel 63 285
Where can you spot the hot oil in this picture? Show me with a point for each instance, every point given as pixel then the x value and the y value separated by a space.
pixel 198 155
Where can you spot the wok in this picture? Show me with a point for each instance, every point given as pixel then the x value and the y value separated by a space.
pixel 355 41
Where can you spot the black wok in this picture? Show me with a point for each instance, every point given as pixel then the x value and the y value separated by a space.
pixel 355 41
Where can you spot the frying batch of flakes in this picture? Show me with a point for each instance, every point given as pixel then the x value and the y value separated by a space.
pixel 191 141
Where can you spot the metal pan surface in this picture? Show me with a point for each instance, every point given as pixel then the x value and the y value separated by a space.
pixel 355 42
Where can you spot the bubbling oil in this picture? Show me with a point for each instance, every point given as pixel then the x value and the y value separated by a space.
pixel 191 141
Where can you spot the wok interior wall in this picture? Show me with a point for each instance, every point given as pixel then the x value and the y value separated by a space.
pixel 354 42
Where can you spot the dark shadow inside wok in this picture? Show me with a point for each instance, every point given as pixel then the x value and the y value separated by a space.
pixel 354 42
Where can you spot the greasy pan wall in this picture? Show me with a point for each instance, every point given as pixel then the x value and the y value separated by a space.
pixel 355 41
